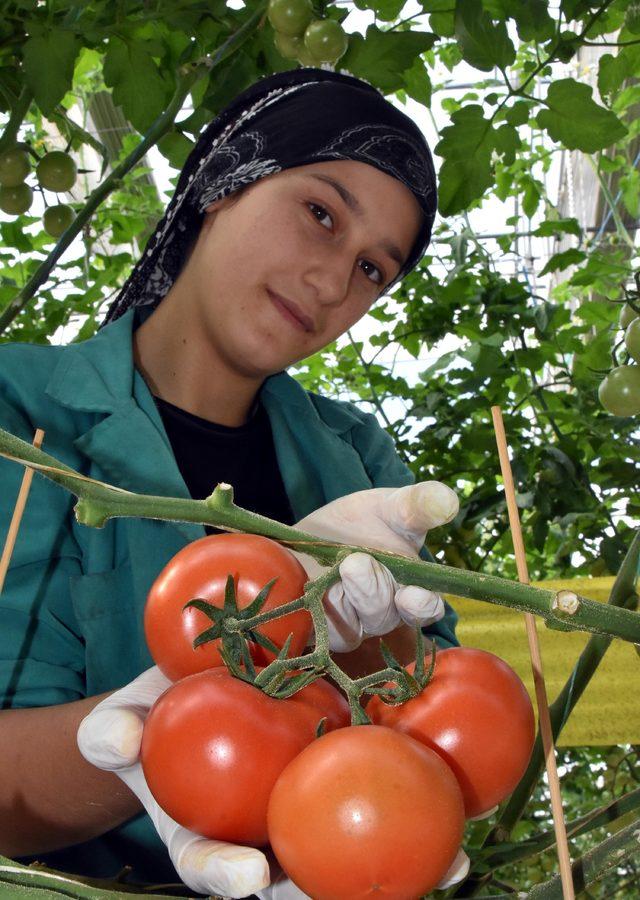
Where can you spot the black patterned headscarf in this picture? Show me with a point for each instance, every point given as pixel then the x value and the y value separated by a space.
pixel 285 120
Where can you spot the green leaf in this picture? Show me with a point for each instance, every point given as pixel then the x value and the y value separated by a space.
pixel 552 227
pixel 382 57
pixel 443 23
pixel 387 10
pixel 630 187
pixel 560 261
pixel 518 114
pixel 466 146
pixel 612 71
pixel 418 83
pixel 49 61
pixel 175 147
pixel 576 121
pixel 138 86
pixel 507 142
pixel 482 43
pixel 532 19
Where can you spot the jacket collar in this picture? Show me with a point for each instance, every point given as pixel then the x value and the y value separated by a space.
pixel 97 375
pixel 127 444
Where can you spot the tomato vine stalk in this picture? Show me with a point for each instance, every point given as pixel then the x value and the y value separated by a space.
pixel 99 502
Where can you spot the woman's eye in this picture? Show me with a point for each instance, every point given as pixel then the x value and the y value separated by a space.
pixel 314 207
pixel 380 278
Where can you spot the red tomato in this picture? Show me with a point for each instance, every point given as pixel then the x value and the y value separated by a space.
pixel 213 747
pixel 200 570
pixel 363 811
pixel 477 715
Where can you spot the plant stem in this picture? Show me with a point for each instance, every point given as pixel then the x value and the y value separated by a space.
pixel 18 112
pixel 99 502
pixel 595 819
pixel 607 856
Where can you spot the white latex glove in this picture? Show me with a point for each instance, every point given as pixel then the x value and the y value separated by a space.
pixel 368 600
pixel 109 738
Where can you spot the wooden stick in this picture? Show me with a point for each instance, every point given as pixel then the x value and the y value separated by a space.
pixel 536 662
pixel 18 510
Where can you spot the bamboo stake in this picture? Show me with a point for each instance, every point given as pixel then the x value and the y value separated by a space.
pixel 536 662
pixel 18 510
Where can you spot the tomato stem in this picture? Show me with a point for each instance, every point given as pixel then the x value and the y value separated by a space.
pixel 99 502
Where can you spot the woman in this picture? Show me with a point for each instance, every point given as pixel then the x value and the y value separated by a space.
pixel 303 201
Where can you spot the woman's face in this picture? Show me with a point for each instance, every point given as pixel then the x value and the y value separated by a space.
pixel 298 258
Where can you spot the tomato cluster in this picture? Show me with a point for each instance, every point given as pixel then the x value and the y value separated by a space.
pixel 357 810
pixel 299 36
pixel 619 392
pixel 55 171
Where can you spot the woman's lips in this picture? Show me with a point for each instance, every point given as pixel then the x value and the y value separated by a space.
pixel 292 312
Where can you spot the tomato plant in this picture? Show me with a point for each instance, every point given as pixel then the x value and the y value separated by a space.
pixel 365 810
pixel 476 713
pixel 214 745
pixel 200 570
pixel 619 392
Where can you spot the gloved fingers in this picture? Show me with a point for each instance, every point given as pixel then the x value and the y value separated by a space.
pixel 109 737
pixel 456 871
pixel 343 624
pixel 216 867
pixel 370 589
pixel 418 606
pixel 206 866
pixel 413 510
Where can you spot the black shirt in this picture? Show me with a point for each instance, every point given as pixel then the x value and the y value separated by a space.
pixel 244 457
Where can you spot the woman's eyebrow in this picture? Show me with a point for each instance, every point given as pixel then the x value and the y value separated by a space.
pixel 354 205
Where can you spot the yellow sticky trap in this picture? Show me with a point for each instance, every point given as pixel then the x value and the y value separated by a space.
pixel 609 710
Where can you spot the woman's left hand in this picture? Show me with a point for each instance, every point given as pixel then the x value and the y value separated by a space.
pixel 368 600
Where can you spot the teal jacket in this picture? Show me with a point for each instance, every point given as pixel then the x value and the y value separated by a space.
pixel 71 609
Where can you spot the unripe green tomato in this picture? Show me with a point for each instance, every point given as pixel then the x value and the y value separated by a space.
pixel 619 393
pixel 290 17
pixel 627 315
pixel 57 219
pixel 56 171
pixel 307 59
pixel 14 167
pixel 287 45
pixel 16 200
pixel 326 40
pixel 632 339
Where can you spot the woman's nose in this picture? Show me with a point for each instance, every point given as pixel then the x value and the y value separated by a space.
pixel 330 275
